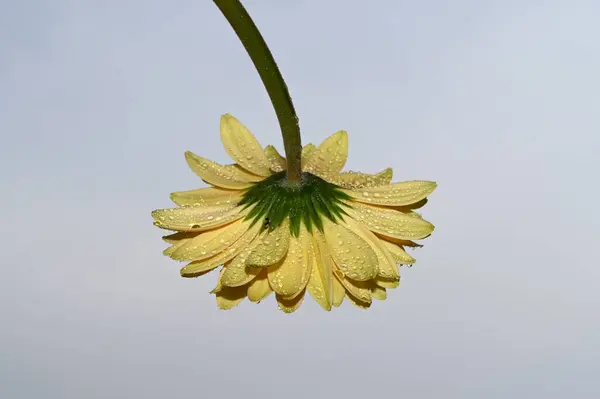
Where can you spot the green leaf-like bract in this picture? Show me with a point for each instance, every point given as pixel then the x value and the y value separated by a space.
pixel 276 198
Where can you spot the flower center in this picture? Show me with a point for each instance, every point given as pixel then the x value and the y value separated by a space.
pixel 306 201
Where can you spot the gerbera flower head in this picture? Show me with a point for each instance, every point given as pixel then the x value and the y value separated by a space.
pixel 333 234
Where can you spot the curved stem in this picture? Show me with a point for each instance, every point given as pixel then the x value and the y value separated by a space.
pixel 257 49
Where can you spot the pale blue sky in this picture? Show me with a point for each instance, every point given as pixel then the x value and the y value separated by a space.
pixel 497 101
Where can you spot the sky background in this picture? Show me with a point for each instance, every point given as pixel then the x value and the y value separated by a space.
pixel 498 101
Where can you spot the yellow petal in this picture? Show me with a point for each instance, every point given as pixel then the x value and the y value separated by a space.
pixel 259 288
pixel 307 152
pixel 277 163
pixel 230 297
pixel 290 305
pixel 224 176
pixel 396 194
pixel 179 236
pixel 242 146
pixel 385 261
pixel 197 218
pixel 338 292
pixel 390 222
pixel 330 156
pixel 379 293
pixel 387 283
pixel 411 214
pixel 361 290
pixel 353 255
pixel 412 207
pixel 236 272
pixel 219 286
pixel 211 242
pixel 402 243
pixel 178 244
pixel 289 277
pixel 399 254
pixel 356 302
pixel 355 180
pixel 271 247
pixel 193 268
pixel 209 196
pixel 320 285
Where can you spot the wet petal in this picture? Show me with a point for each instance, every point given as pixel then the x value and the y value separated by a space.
pixel 320 285
pixel 236 272
pixel 385 261
pixel 197 218
pixel 242 146
pixel 356 302
pixel 259 288
pixel 196 267
pixel 338 292
pixel 211 242
pixel 178 244
pixel 402 243
pixel 289 277
pixel 389 222
pixel 396 194
pixel 330 156
pixel 179 236
pixel 353 255
pixel 277 162
pixel 417 205
pixel 271 247
pixel 290 305
pixel 355 180
pixel 307 152
pixel 379 293
pixel 387 283
pixel 219 286
pixel 412 214
pixel 224 176
pixel 209 196
pixel 361 290
pixel 230 297
pixel 399 254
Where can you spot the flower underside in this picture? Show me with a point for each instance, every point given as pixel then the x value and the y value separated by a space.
pixel 332 234
pixel 274 199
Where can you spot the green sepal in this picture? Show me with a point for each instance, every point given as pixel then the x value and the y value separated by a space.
pixel 276 198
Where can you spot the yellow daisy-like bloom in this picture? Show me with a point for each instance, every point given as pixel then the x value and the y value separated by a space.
pixel 334 235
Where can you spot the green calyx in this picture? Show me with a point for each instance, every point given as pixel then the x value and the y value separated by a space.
pixel 306 201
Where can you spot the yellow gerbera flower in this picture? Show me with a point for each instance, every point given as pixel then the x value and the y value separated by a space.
pixel 335 234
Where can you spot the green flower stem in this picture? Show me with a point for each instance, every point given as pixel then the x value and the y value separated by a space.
pixel 257 49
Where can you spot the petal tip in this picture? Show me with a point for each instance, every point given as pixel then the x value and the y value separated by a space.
pixel 226 117
pixel 342 134
pixel 430 183
pixel 191 158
